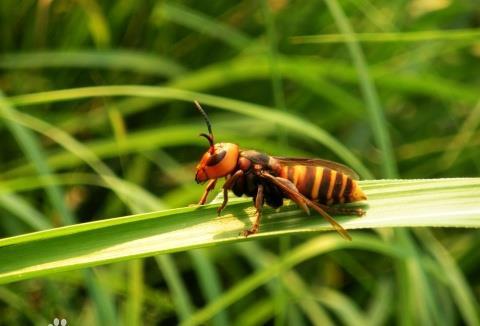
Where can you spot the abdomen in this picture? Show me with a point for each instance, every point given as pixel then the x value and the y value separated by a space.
pixel 322 184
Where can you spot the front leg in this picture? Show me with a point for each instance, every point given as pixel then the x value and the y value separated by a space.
pixel 226 187
pixel 210 187
pixel 259 206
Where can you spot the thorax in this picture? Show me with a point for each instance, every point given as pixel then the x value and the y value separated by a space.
pixel 249 160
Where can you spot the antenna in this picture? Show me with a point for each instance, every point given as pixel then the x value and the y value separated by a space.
pixel 209 126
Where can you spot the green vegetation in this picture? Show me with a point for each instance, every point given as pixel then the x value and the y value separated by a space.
pixel 100 143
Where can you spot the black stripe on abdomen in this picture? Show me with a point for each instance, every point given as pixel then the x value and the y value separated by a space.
pixel 348 190
pixel 337 188
pixel 307 182
pixel 324 185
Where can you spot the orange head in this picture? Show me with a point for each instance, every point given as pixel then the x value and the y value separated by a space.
pixel 220 160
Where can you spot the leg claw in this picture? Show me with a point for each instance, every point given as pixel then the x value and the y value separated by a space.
pixel 248 232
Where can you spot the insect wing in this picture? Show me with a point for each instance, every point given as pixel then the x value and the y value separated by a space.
pixel 318 162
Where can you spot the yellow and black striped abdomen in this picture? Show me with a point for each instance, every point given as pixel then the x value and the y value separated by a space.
pixel 322 184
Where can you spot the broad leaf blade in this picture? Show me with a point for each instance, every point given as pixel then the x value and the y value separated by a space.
pixel 392 203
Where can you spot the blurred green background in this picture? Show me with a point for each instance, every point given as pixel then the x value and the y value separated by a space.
pixel 402 95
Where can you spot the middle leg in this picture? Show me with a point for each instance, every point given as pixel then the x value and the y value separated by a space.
pixel 259 206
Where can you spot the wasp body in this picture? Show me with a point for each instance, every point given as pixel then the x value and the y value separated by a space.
pixel 310 183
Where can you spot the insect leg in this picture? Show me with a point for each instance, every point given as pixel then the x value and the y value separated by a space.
pixel 259 206
pixel 294 194
pixel 210 186
pixel 334 223
pixel 227 186
pixel 301 200
pixel 342 210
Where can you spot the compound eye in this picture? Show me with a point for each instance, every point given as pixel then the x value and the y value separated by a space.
pixel 216 158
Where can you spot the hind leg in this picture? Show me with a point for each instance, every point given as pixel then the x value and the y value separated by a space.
pixel 342 210
pixel 292 192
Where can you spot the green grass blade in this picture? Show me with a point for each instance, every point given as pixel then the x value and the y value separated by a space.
pixel 78 149
pixel 96 22
pixel 143 141
pixel 314 247
pixel 24 211
pixel 281 306
pixel 104 306
pixel 375 111
pixel 344 307
pixel 276 77
pixel 138 62
pixel 464 137
pixel 461 291
pixel 291 281
pixel 416 36
pixel 128 190
pixel 381 305
pixel 209 281
pixel 180 296
pixel 284 119
pixel 33 150
pixel 392 203
pixel 416 284
pixel 136 173
pixel 258 314
pixel 201 23
pixel 306 72
pixel 18 302
pixel 134 301
pixel 29 144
